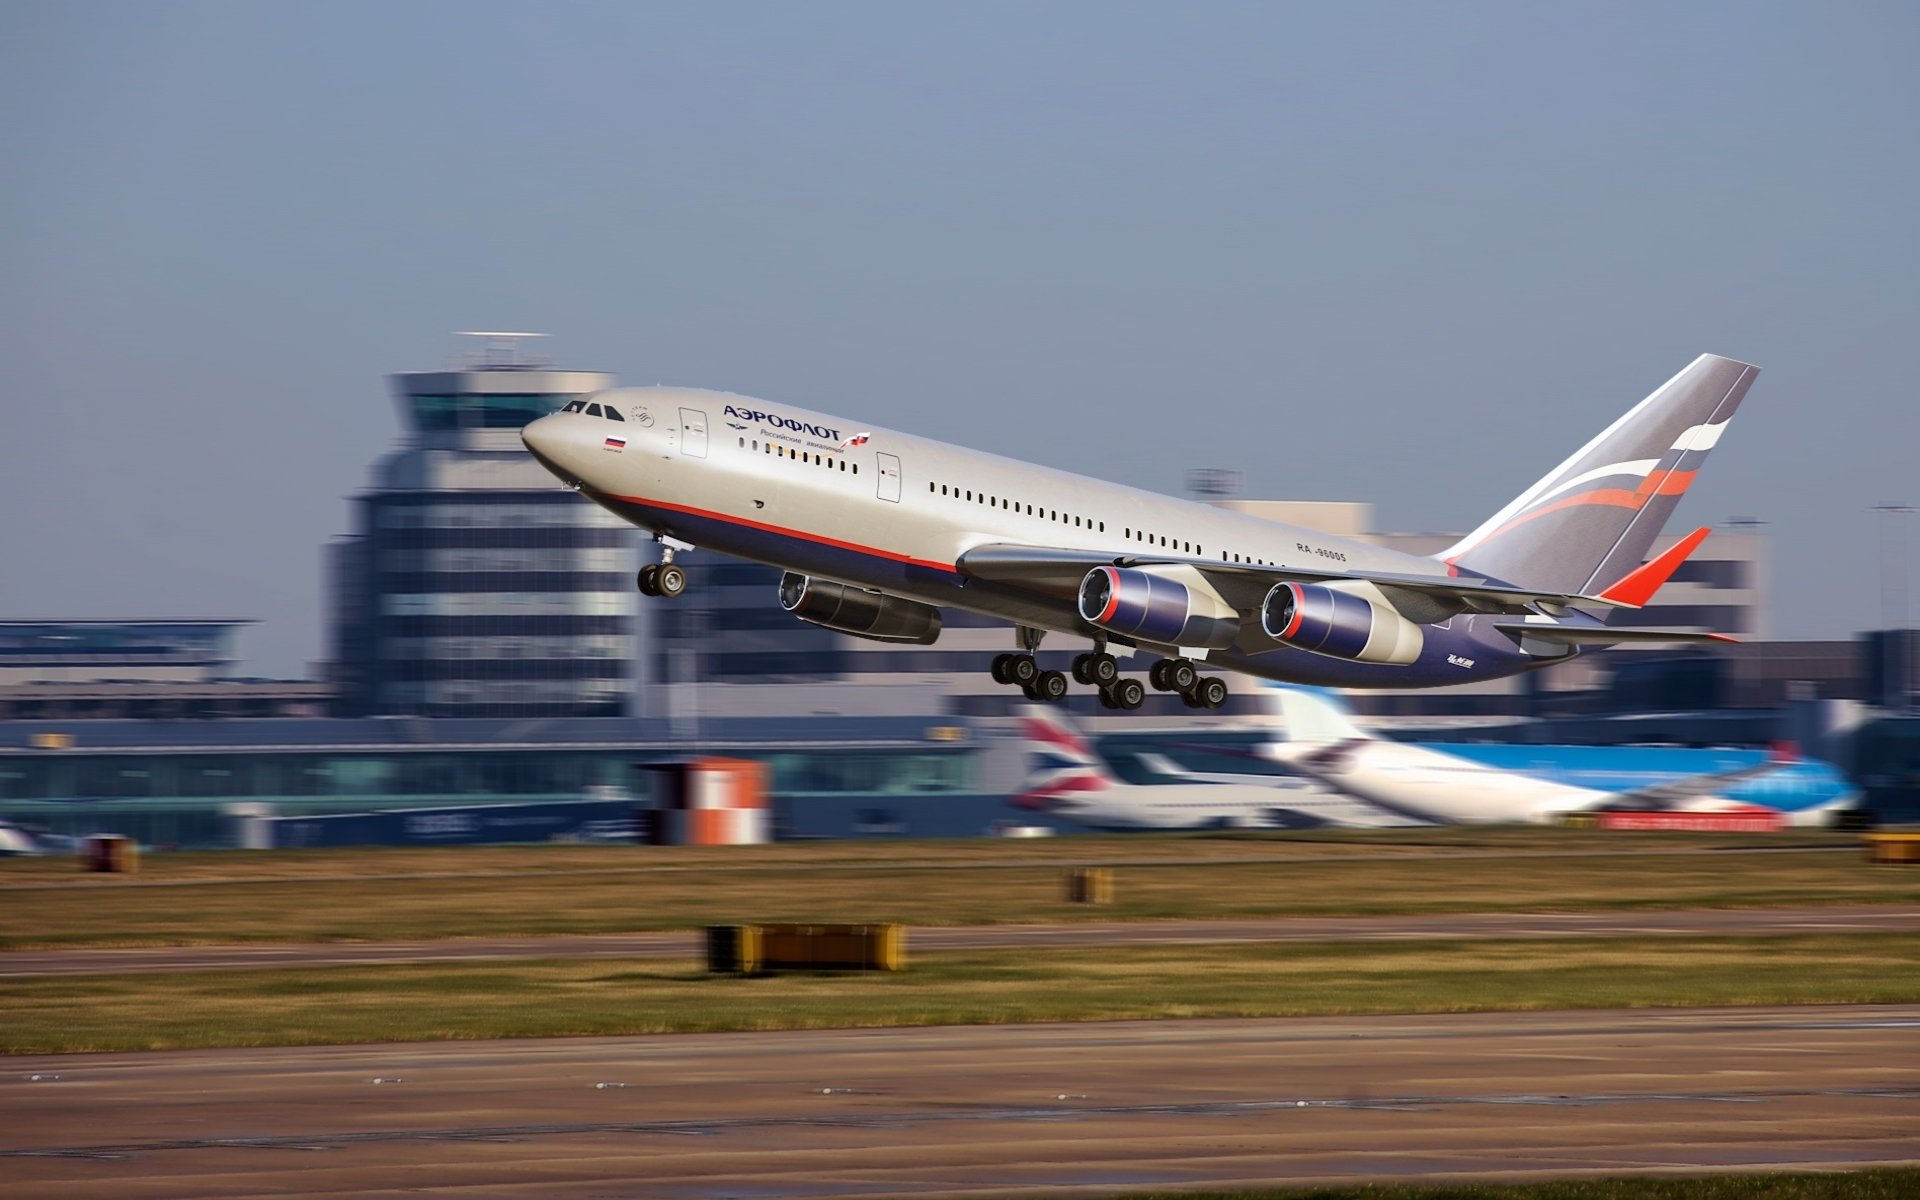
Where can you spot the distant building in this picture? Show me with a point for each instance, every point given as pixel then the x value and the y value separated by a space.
pixel 473 585
pixel 176 670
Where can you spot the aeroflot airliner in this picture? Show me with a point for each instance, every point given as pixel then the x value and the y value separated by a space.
pixel 878 531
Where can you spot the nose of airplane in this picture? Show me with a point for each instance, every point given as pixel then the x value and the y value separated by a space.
pixel 546 439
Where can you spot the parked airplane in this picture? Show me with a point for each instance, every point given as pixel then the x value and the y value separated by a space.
pixel 1341 775
pixel 1069 779
pixel 1473 783
pixel 879 530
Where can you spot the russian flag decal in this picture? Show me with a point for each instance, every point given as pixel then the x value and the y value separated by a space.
pixel 614 443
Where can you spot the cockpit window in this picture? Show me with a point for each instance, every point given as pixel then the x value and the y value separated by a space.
pixel 614 413
pixel 593 410
pixel 575 406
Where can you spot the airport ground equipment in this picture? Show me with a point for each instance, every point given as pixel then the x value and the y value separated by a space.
pixel 762 949
pixel 1090 885
pixel 110 853
pixel 1893 848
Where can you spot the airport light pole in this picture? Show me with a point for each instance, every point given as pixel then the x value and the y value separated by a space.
pixel 1893 605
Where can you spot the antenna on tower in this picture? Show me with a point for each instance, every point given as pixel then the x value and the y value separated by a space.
pixel 500 351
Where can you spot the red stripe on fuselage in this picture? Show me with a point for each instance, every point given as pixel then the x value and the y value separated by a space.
pixel 784 531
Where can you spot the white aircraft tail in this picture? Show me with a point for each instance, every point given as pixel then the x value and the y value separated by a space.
pixel 1311 715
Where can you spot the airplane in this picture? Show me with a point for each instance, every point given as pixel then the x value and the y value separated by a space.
pixel 1069 779
pixel 1506 783
pixel 877 531
pixel 1335 774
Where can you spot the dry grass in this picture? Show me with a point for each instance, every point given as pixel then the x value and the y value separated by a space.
pixel 412 894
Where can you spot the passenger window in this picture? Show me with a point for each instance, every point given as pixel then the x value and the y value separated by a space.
pixel 593 410
pixel 614 413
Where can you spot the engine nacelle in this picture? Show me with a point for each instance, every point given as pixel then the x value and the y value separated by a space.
pixel 1344 623
pixel 853 610
pixel 1167 606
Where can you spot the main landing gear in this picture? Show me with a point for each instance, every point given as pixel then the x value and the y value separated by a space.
pixel 1097 669
pixel 663 578
pixel 1196 690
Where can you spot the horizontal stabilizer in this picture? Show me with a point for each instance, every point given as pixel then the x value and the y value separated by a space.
pixel 1600 635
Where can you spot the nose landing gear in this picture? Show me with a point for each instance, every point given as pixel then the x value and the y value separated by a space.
pixel 663 578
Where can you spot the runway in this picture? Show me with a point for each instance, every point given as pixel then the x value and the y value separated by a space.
pixel 1730 922
pixel 1094 1108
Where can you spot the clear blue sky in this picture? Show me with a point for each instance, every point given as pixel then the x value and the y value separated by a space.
pixel 1406 253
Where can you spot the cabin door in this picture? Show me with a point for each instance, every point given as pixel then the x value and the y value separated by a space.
pixel 693 433
pixel 890 477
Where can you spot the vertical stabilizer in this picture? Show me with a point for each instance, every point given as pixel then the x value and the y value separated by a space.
pixel 1593 518
pixel 1313 715
pixel 1060 762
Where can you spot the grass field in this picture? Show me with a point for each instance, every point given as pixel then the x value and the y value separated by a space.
pixel 412 894
pixel 556 998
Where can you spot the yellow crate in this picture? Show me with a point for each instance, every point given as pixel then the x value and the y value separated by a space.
pixel 1090 885
pixel 758 949
pixel 1893 848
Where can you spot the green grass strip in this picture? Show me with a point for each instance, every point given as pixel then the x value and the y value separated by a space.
pixel 421 1002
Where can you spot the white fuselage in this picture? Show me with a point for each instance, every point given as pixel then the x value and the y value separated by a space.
pixel 894 513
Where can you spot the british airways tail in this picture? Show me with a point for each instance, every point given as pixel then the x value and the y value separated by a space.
pixel 1061 762
pixel 1590 522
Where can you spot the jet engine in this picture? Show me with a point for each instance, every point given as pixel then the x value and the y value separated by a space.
pixel 1166 606
pixel 1343 620
pixel 862 613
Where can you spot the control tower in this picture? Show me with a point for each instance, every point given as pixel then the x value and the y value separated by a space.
pixel 473 585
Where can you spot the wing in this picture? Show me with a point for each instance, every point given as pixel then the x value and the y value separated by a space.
pixel 1692 787
pixel 1059 571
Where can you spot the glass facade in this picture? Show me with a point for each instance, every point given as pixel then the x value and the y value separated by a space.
pixel 178 797
pixel 475 586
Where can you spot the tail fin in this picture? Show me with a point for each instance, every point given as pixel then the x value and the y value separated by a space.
pixel 1061 762
pixel 1590 522
pixel 1312 714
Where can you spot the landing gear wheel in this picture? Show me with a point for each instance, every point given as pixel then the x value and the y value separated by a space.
pixel 1107 700
pixel 1125 693
pixel 1157 676
pixel 1102 670
pixel 1080 662
pixel 671 580
pixel 999 669
pixel 1211 692
pixel 1180 675
pixel 1022 670
pixel 648 581
pixel 1049 686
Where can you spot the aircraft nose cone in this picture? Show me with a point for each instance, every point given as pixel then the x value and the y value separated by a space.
pixel 538 435
pixel 547 439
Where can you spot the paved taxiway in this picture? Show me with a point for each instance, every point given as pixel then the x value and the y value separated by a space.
pixel 1730 922
pixel 930 1112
